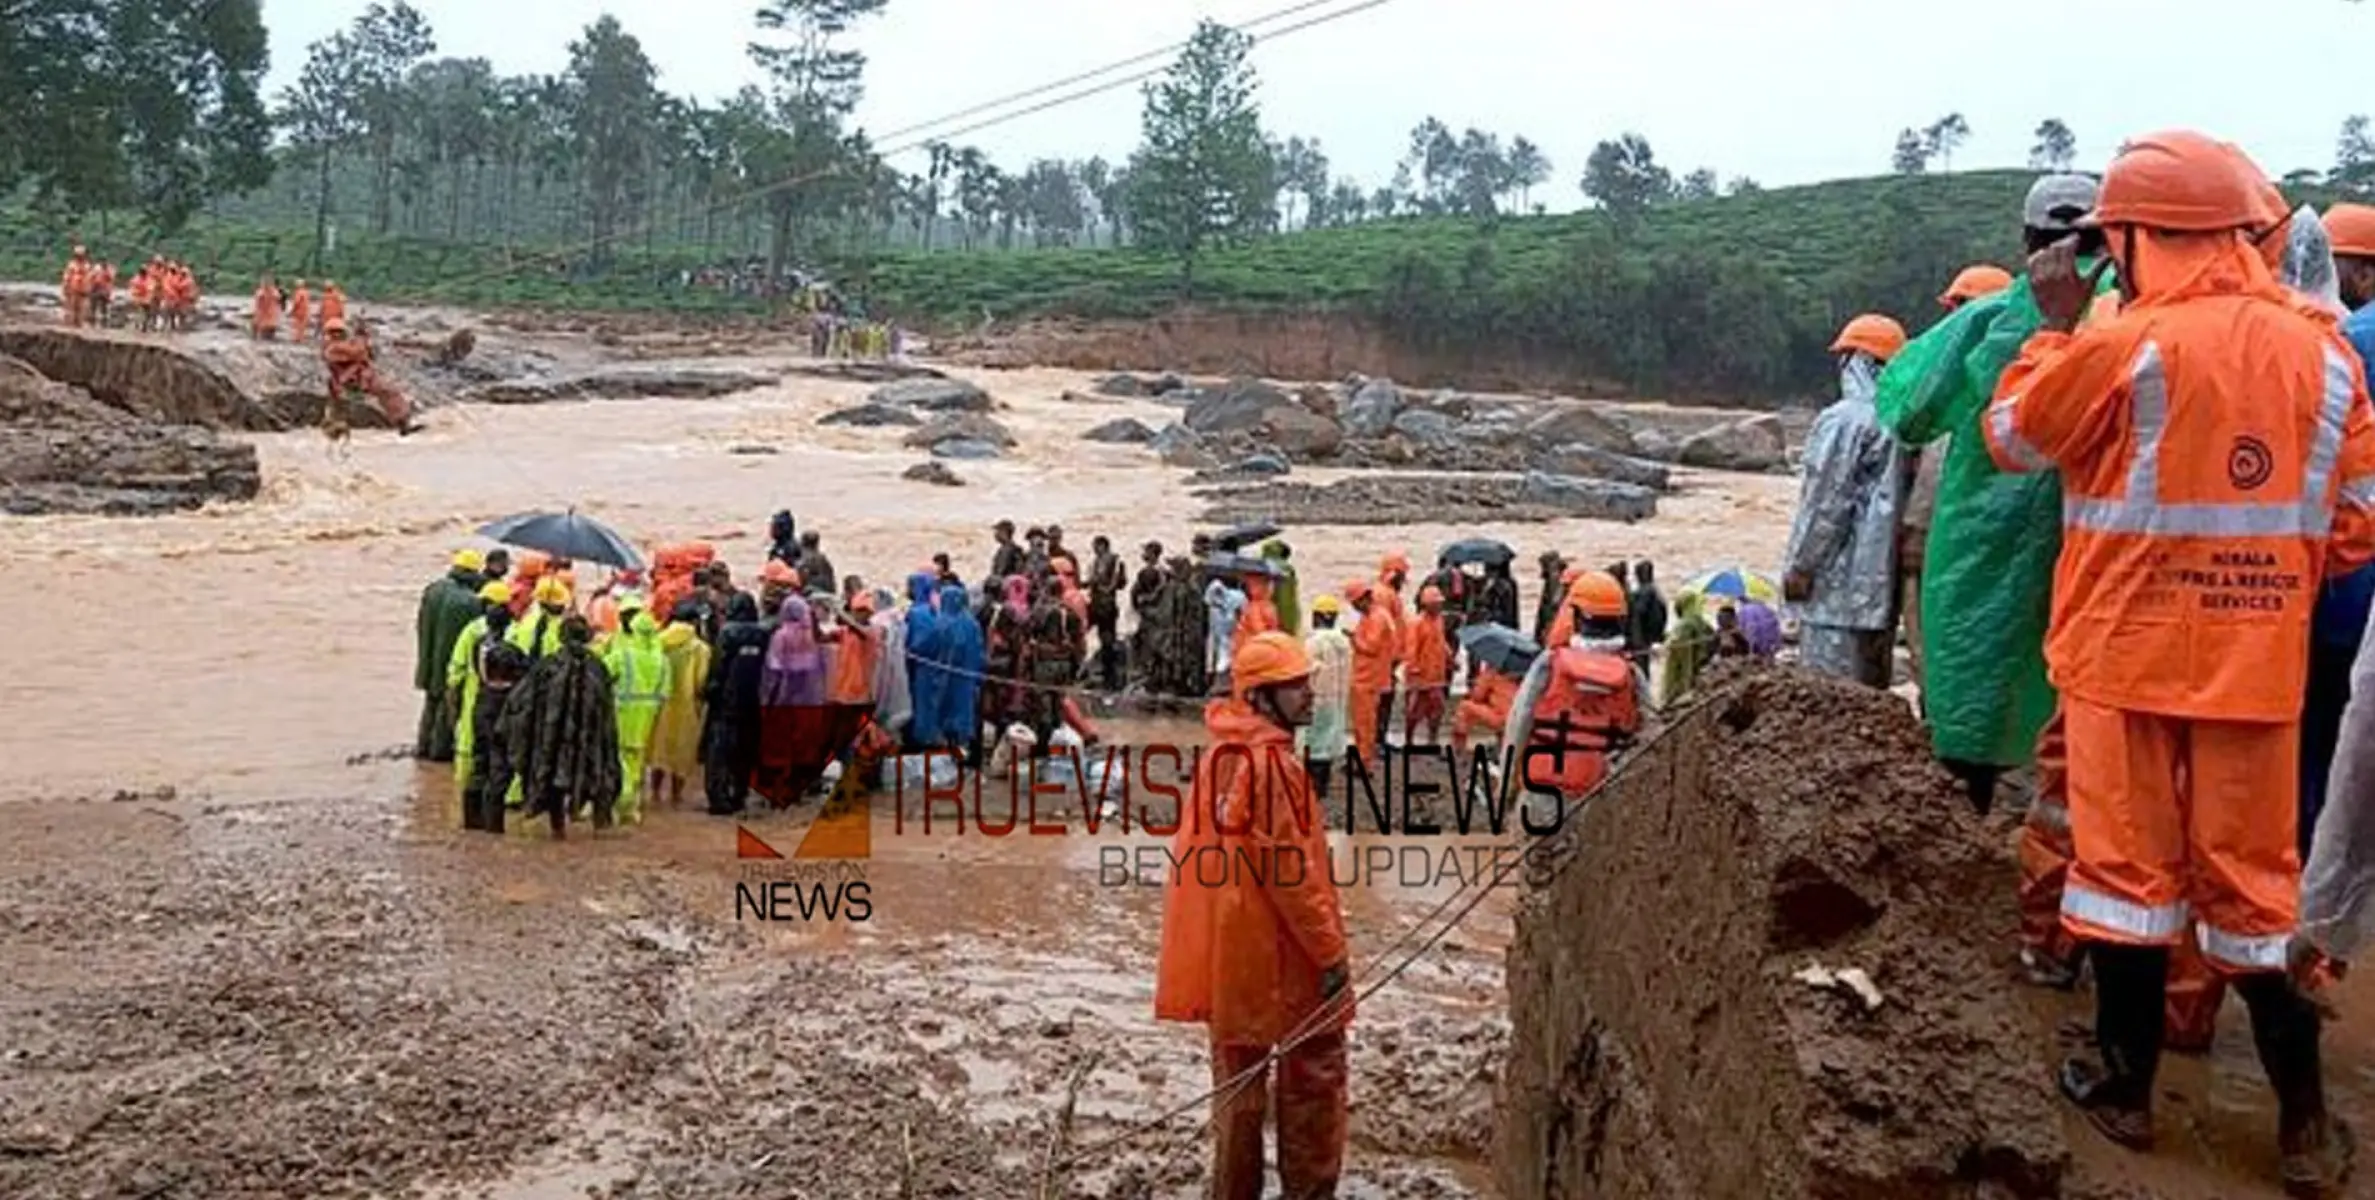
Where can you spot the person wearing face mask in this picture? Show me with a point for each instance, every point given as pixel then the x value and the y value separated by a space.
pixel 1841 561
pixel 1257 954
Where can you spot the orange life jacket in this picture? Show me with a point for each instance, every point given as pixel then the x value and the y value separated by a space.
pixel 1586 708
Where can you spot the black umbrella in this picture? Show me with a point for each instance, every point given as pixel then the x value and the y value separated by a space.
pixel 1238 537
pixel 569 535
pixel 1499 647
pixel 1228 563
pixel 1478 550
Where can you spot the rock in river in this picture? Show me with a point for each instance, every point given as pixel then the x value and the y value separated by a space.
pixel 870 415
pixel 934 395
pixel 972 427
pixel 936 473
pixel 1372 409
pixel 1121 430
pixel 971 448
pixel 1588 497
pixel 1755 443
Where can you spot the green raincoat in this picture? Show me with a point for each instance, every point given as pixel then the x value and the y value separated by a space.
pixel 638 667
pixel 1987 578
pixel 461 678
pixel 1285 595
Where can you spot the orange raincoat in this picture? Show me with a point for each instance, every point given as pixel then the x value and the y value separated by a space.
pixel 1374 642
pixel 1261 611
pixel 852 681
pixel 74 288
pixel 1426 679
pixel 300 312
pixel 265 320
pixel 333 305
pixel 2218 459
pixel 1487 706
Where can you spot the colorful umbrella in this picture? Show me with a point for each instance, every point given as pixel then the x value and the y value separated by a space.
pixel 1734 583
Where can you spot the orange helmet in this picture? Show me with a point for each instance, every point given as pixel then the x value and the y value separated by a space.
pixel 2183 181
pixel 1597 594
pixel 1393 561
pixel 1876 335
pixel 1357 590
pixel 1267 658
pixel 1984 279
pixel 2351 227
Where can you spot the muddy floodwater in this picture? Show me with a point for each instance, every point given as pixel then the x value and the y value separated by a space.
pixel 249 955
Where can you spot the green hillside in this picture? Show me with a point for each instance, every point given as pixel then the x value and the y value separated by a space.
pixel 1737 295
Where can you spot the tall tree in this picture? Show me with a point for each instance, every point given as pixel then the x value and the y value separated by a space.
pixel 818 81
pixel 1052 203
pixel 2354 158
pixel 1528 169
pixel 1303 173
pixel 387 42
pixel 1624 177
pixel 614 113
pixel 1945 136
pixel 144 103
pixel 2056 148
pixel 1434 162
pixel 1698 185
pixel 320 114
pixel 1204 172
pixel 1912 156
pixel 1481 174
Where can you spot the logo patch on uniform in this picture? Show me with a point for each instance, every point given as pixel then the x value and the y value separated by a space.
pixel 2249 463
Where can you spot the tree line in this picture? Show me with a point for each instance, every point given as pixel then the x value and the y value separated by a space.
pixel 2053 147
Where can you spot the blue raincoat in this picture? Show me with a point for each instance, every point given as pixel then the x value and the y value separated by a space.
pixel 926 683
pixel 966 653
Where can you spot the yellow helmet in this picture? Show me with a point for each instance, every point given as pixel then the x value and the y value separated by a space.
pixel 497 592
pixel 469 560
pixel 550 590
pixel 1327 605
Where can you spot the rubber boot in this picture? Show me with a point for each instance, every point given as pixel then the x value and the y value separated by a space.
pixel 2131 985
pixel 2285 1028
pixel 1979 781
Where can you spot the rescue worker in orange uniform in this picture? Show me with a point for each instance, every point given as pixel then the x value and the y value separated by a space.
pixel 100 293
pixel 1973 282
pixel 1486 707
pixel 333 305
pixel 300 313
pixel 2217 460
pixel 1375 641
pixel 1426 674
pixel 1253 935
pixel 1393 574
pixel 1260 614
pixel 349 363
pixel 74 285
pixel 264 322
pixel 1580 701
pixel 143 294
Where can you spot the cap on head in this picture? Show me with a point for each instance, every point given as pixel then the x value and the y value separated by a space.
pixel 1268 658
pixel 2351 227
pixel 2184 182
pixel 1358 590
pixel 2056 202
pixel 1874 334
pixel 1972 282
pixel 1597 595
pixel 1394 561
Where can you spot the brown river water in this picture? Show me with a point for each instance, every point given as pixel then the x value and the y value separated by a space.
pixel 237 896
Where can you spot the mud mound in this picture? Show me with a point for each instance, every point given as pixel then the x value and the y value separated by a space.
pixel 62 451
pixel 147 379
pixel 1663 1043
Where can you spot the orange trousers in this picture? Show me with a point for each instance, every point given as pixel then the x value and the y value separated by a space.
pixel 2176 820
pixel 1363 706
pixel 2045 850
pixel 1314 1103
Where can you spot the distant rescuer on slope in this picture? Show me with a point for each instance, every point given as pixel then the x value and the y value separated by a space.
pixel 1841 563
pixel 2217 459
pixel 1987 569
pixel 1253 944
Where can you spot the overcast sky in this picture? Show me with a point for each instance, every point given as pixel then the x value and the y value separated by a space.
pixel 1785 92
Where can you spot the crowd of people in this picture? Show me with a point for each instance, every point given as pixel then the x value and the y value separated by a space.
pixel 2122 506
pixel 163 293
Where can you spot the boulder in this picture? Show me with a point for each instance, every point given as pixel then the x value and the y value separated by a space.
pixel 1318 401
pixel 1655 445
pixel 1260 464
pixel 1372 409
pixel 936 473
pixel 1178 446
pixel 969 448
pixel 1591 462
pixel 972 427
pixel 1750 444
pixel 1588 497
pixel 1427 427
pixel 1121 431
pixel 1572 423
pixel 628 383
pixel 1124 384
pixel 1251 407
pixel 1241 407
pixel 1165 384
pixel 128 469
pixel 934 395
pixel 871 415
